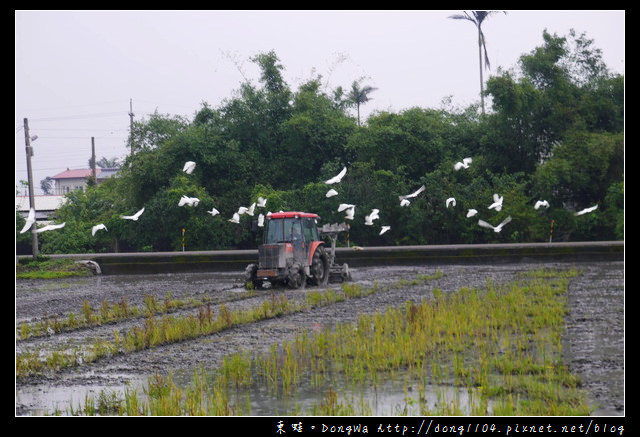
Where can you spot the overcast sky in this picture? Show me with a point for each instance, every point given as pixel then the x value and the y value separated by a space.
pixel 76 72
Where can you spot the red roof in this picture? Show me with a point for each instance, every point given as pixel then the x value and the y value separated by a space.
pixel 278 215
pixel 75 174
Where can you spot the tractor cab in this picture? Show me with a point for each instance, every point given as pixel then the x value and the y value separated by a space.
pixel 298 232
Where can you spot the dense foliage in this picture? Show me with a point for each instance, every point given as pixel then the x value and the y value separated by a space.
pixel 555 132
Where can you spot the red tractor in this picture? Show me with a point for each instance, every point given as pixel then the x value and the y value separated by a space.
pixel 293 252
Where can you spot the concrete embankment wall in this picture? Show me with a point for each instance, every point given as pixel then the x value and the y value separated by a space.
pixel 237 260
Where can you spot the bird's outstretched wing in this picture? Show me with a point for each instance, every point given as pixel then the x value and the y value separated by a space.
pixel 504 222
pixel 485 224
pixel 338 178
pixel 50 227
pixel 344 206
pixel 31 218
pixel 414 194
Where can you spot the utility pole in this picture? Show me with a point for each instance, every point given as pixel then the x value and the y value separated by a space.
pixel 93 161
pixel 131 125
pixel 32 201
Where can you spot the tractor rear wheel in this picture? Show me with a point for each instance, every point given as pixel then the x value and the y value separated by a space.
pixel 320 267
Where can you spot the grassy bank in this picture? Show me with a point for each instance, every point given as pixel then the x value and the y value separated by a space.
pixel 43 267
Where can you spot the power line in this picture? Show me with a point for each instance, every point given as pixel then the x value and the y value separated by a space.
pixel 80 117
pixel 79 138
pixel 78 129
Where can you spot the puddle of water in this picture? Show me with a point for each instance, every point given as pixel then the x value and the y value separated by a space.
pixel 34 401
pixel 392 398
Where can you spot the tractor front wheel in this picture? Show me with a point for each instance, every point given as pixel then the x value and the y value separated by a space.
pixel 250 281
pixel 296 277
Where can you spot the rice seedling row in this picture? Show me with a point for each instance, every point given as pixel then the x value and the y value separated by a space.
pixel 160 327
pixel 117 311
pixel 499 346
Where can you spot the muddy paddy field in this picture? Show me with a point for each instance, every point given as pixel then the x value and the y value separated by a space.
pixel 592 346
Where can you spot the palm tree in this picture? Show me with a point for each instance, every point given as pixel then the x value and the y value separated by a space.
pixel 105 162
pixel 358 96
pixel 477 17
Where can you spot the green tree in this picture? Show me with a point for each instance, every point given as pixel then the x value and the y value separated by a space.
pixel 413 142
pixel 81 211
pixel 154 131
pixel 367 188
pixel 549 98
pixel 585 170
pixel 582 169
pixel 254 119
pixel 165 219
pixel 477 18
pixel 315 134
pixel 614 211
pixel 556 133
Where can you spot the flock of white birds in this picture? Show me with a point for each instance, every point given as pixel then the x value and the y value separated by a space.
pixel 349 209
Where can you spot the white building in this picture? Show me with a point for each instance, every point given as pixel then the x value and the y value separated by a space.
pixel 70 180
pixel 45 206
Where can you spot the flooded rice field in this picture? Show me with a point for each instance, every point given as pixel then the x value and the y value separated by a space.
pixel 593 345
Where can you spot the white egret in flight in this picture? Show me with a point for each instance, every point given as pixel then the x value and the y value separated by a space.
pixel 96 228
pixel 331 193
pixel 540 203
pixel 189 166
pixel 464 164
pixel 50 228
pixel 497 202
pixel 495 228
pixel 133 217
pixel 586 210
pixel 414 194
pixel 190 201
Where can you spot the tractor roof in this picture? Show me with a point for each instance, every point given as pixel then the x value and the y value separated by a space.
pixel 280 215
